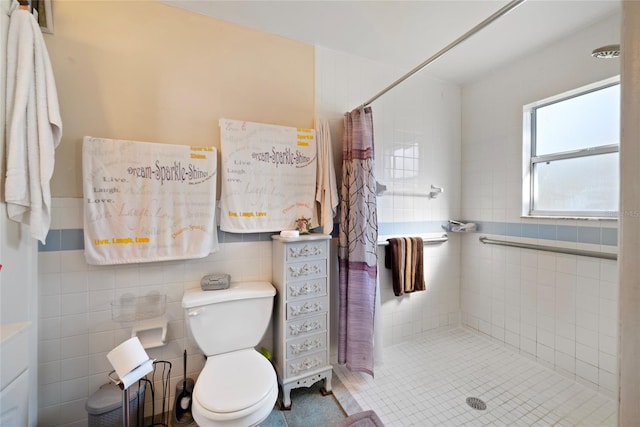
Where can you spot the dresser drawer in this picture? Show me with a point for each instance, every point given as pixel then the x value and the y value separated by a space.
pixel 306 250
pixel 302 346
pixel 306 269
pixel 308 326
pixel 307 288
pixel 306 364
pixel 301 308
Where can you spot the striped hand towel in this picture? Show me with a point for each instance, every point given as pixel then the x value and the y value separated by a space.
pixel 404 256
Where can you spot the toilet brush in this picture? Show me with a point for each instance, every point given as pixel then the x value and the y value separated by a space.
pixel 182 409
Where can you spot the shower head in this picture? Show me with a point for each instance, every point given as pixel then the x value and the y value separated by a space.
pixel 606 52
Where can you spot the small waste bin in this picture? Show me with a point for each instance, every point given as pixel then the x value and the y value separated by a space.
pixel 104 407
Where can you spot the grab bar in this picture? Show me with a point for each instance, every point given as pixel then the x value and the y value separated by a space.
pixel 569 251
pixel 425 240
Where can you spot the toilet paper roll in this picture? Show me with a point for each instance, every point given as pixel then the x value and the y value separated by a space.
pixel 290 233
pixel 127 356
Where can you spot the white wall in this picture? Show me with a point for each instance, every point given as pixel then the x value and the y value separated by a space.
pixel 559 309
pixel 425 112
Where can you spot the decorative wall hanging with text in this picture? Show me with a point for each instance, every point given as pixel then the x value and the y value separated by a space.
pixel 268 176
pixel 147 201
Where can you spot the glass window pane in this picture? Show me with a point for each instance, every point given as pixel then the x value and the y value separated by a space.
pixel 588 120
pixel 581 184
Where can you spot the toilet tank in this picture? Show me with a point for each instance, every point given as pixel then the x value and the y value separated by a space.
pixel 229 319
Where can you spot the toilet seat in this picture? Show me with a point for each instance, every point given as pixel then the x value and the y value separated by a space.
pixel 233 386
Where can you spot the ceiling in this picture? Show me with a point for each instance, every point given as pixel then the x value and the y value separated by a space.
pixel 406 33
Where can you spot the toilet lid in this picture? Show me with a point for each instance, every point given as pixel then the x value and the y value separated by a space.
pixel 234 381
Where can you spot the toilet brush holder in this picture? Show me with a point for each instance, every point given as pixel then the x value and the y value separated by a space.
pixel 182 415
pixel 186 417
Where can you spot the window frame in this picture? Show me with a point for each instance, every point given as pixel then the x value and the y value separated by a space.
pixel 530 159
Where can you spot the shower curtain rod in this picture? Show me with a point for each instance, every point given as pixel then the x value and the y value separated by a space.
pixel 503 11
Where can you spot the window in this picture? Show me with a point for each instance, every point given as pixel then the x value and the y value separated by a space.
pixel 571 151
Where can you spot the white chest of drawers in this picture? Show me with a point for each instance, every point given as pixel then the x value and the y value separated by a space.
pixel 301 312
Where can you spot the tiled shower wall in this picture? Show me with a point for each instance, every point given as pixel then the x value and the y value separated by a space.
pixel 417 143
pixel 561 310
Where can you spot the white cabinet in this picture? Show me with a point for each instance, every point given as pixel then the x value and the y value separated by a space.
pixel 14 402
pixel 301 312
pixel 14 375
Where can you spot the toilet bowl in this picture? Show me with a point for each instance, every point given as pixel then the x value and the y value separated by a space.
pixel 235 389
pixel 238 385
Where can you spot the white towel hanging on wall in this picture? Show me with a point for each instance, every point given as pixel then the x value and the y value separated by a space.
pixel 14 5
pixel 34 125
pixel 326 188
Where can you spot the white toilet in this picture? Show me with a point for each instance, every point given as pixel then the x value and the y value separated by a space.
pixel 237 386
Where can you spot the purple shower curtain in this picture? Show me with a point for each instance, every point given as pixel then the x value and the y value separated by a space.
pixel 358 243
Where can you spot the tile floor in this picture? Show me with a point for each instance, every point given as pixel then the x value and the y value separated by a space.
pixel 426 382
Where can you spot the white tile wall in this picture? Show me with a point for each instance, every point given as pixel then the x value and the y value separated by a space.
pixel 565 317
pixel 76 329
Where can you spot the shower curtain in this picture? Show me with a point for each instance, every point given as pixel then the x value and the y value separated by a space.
pixel 357 247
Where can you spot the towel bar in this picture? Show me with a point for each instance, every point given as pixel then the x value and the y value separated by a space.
pixel 426 240
pixel 568 251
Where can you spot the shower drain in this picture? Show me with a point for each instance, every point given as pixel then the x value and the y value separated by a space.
pixel 476 403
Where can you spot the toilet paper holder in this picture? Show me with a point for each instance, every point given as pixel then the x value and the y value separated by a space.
pixel 151 332
pixel 146 315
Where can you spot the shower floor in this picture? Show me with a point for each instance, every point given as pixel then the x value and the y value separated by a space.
pixel 426 382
